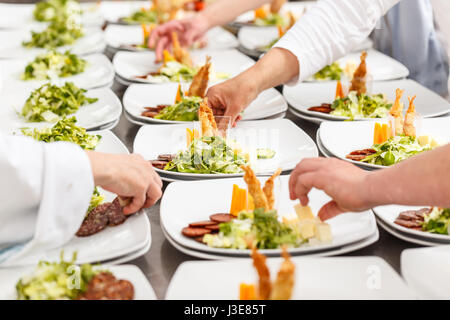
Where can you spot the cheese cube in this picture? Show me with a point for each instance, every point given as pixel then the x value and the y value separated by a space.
pixel 303 212
pixel 323 233
pixel 423 140
pixel 307 228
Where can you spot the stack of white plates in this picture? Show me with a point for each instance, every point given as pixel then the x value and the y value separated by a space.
pixel 305 95
pixel 129 65
pixel 122 37
pixel 270 103
pixel 187 202
pixel 290 143
pixel 386 216
pixel 339 138
pixel 352 278
pixel 113 245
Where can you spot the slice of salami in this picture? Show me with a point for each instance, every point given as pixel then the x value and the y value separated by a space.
pixel 213 227
pixel 221 217
pixel 96 221
pixel 200 224
pixel 194 232
pixel 115 214
pixel 158 164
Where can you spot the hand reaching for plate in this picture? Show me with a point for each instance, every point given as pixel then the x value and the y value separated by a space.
pixel 345 183
pixel 189 30
pixel 128 176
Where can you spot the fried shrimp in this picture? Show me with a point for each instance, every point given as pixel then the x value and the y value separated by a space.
pixel 180 54
pixel 254 188
pixel 207 121
pixel 397 112
pixel 200 81
pixel 284 284
pixel 359 77
pixel 409 128
pixel 268 189
pixel 264 283
pixel 275 5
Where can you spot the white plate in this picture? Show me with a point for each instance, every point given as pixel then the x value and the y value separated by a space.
pixel 357 278
pixel 426 270
pixel 327 253
pixel 290 143
pixel 118 36
pixel 307 118
pixel 112 11
pixel 342 137
pixel 138 96
pixel 113 242
pixel 142 288
pixel 212 197
pixel 388 214
pixel 297 8
pixel 131 256
pixel 305 95
pixel 406 237
pixel 15 16
pixel 99 72
pixel 128 65
pixel 106 110
pixel 11 43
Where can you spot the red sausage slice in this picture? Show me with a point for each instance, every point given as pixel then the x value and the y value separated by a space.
pixel 194 232
pixel 221 217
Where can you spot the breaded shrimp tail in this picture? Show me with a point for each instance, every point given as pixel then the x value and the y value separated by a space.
pixel 359 77
pixel 268 189
pixel 275 5
pixel 397 112
pixel 409 128
pixel 180 55
pixel 200 82
pixel 254 188
pixel 264 283
pixel 284 284
pixel 207 121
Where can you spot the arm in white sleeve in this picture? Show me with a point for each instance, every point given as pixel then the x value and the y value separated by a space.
pixel 45 191
pixel 331 29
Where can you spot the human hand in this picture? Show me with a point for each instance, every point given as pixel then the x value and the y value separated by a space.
pixel 230 98
pixel 345 183
pixel 189 31
pixel 127 176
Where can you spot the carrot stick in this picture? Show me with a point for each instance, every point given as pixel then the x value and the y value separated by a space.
pixel 178 96
pixel 339 90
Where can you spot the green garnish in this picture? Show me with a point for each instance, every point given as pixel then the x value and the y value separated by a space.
pixel 56 280
pixel 96 200
pixel 49 102
pixel 394 150
pixel 142 16
pixel 58 33
pixel 65 130
pixel 437 221
pixel 331 72
pixel 185 110
pixel 265 153
pixel 54 64
pixel 50 10
pixel 272 19
pixel 268 46
pixel 361 106
pixel 207 155
pixel 176 72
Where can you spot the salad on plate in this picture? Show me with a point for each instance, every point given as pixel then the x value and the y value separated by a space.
pixel 51 10
pixel 433 220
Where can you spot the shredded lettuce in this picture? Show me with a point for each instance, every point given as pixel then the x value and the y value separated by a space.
pixel 50 10
pixel 185 110
pixel 56 280
pixel 272 19
pixel 142 16
pixel 395 149
pixel 207 155
pixel 330 72
pixel 49 102
pixel 54 64
pixel 356 106
pixel 437 221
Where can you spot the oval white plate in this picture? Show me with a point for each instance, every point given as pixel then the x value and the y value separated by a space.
pixel 11 43
pixel 178 211
pixel 290 143
pixel 98 73
pixel 315 278
pixel 341 137
pixel 117 36
pixel 106 110
pixel 305 95
pixel 142 288
pixel 138 96
pixel 128 65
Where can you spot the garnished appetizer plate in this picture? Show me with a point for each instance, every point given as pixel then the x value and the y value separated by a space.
pixel 91 71
pixel 313 278
pixel 224 216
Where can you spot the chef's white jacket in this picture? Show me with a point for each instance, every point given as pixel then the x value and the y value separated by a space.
pixel 45 190
pixel 329 30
